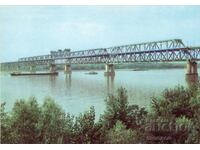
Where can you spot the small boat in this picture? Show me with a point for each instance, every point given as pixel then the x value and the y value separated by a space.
pixel 28 74
pixel 139 69
pixel 92 73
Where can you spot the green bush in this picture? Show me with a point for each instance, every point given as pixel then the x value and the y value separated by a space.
pixel 84 127
pixel 118 108
pixel 120 135
pixel 52 122
pixel 24 121
pixel 179 110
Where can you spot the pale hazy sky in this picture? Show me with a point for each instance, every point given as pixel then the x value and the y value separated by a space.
pixel 36 30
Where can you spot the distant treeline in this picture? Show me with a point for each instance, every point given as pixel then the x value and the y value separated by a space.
pixel 173 118
pixel 142 65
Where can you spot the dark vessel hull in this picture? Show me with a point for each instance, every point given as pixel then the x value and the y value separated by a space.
pixel 28 74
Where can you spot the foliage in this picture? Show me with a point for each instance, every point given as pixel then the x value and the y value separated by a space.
pixel 175 102
pixel 5 126
pixel 52 122
pixel 173 118
pixel 180 108
pixel 118 108
pixel 84 127
pixel 24 121
pixel 120 135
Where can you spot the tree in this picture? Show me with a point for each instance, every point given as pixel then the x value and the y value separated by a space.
pixel 120 135
pixel 84 127
pixel 194 137
pixel 52 122
pixel 24 121
pixel 118 108
pixel 68 129
pixel 174 102
pixel 179 108
pixel 184 128
pixel 5 125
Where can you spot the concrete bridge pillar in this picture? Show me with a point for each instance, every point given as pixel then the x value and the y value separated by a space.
pixel 52 68
pixel 110 84
pixel 192 68
pixel 192 73
pixel 195 68
pixel 109 70
pixel 67 69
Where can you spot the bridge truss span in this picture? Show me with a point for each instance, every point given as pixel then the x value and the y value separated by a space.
pixel 165 55
pixel 168 55
pixel 148 46
pixel 37 60
pixel 157 51
pixel 87 53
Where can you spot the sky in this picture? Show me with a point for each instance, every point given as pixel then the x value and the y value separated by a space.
pixel 36 30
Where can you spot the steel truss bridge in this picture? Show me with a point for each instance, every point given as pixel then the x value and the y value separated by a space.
pixel 157 51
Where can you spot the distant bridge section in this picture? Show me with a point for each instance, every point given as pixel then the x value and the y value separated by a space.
pixel 37 60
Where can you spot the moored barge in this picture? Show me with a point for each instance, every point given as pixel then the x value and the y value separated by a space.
pixel 27 74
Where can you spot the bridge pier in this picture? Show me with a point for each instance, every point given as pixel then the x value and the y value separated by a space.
pixel 68 81
pixel 67 69
pixel 192 68
pixel 109 70
pixel 52 68
pixel 192 73
pixel 110 84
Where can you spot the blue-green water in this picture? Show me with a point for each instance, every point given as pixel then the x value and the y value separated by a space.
pixel 78 93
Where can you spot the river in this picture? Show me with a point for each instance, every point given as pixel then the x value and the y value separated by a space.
pixel 77 93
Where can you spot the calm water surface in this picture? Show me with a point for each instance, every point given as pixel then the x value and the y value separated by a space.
pixel 78 93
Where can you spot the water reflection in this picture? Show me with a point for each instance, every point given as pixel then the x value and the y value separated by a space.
pixel 110 84
pixel 52 80
pixel 68 81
